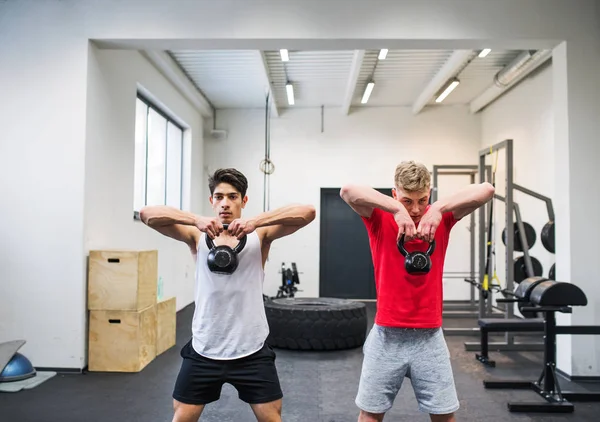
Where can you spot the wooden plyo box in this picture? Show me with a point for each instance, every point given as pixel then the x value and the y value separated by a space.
pixel 166 315
pixel 122 341
pixel 122 280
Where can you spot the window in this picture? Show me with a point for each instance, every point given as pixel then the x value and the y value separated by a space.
pixel 158 158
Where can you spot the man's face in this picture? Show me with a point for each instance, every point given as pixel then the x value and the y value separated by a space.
pixel 414 202
pixel 227 202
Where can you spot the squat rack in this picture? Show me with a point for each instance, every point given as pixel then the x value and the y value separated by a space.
pixel 460 170
pixel 508 199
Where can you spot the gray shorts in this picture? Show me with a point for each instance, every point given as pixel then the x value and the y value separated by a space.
pixel 390 354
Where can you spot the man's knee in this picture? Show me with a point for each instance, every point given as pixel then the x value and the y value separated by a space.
pixel 186 412
pixel 268 412
pixel 370 417
pixel 449 417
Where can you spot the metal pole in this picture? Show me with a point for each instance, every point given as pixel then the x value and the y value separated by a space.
pixel 472 230
pixel 434 195
pixel 510 273
pixel 547 200
pixel 481 237
pixel 488 170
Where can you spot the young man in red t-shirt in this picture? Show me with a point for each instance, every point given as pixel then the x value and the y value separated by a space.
pixel 407 339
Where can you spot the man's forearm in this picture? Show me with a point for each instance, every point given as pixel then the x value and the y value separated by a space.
pixel 366 196
pixel 291 215
pixel 472 196
pixel 164 216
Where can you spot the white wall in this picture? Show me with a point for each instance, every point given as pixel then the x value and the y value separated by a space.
pixel 576 125
pixel 42 157
pixel 113 81
pixel 364 147
pixel 525 115
pixel 53 174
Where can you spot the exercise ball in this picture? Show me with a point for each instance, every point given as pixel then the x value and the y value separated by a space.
pixel 18 368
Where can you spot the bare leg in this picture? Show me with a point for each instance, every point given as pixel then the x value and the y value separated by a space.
pixel 370 417
pixel 268 412
pixel 443 418
pixel 186 412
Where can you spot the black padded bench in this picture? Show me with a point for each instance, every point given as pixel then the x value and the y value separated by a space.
pixel 493 325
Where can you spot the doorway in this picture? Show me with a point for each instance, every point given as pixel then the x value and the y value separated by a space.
pixel 346 266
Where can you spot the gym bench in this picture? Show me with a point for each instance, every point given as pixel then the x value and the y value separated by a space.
pixel 495 325
pixel 547 298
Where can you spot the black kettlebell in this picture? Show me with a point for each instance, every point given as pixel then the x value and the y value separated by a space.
pixel 416 262
pixel 223 259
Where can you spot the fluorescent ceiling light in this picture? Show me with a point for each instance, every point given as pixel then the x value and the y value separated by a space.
pixel 447 91
pixel 290 93
pixel 367 93
pixel 485 52
pixel 383 54
pixel 285 57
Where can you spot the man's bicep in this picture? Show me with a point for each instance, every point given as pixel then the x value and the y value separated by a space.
pixel 277 231
pixel 463 212
pixel 362 210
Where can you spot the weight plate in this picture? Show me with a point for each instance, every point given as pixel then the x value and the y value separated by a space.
pixel 552 273
pixel 521 271
pixel 530 235
pixel 548 236
pixel 526 286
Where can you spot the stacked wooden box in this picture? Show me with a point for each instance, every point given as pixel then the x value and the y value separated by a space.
pixel 128 327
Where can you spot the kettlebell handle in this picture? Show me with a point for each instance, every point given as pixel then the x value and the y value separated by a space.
pixel 209 241
pixel 401 247
pixel 431 247
pixel 237 249
pixel 404 252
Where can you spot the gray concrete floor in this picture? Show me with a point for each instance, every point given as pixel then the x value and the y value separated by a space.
pixel 318 387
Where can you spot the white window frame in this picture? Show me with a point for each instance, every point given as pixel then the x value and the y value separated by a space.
pixel 151 105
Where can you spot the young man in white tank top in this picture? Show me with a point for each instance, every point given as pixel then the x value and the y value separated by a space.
pixel 229 327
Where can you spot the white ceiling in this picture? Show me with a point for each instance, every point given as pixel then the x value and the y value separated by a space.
pixel 400 78
pixel 227 78
pixel 319 77
pixel 240 78
pixel 478 75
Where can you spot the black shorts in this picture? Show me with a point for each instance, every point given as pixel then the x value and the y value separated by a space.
pixel 254 377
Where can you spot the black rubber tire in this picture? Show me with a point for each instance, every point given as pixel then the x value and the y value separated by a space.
pixel 316 323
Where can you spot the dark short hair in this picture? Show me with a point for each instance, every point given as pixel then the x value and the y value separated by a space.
pixel 231 176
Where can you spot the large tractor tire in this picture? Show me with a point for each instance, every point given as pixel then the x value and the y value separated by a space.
pixel 316 323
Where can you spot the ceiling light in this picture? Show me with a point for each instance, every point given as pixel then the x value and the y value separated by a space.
pixel 285 57
pixel 383 53
pixel 453 84
pixel 367 93
pixel 290 93
pixel 485 52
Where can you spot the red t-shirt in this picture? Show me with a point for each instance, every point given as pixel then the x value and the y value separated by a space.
pixel 406 300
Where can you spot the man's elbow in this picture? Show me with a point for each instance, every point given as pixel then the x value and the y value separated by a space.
pixel 144 215
pixel 488 191
pixel 147 215
pixel 346 193
pixel 310 213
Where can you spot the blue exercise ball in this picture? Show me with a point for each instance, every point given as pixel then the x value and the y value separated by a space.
pixel 18 368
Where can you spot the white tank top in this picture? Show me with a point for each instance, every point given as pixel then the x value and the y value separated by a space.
pixel 229 320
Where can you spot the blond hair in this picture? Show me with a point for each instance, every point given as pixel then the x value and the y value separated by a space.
pixel 412 177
